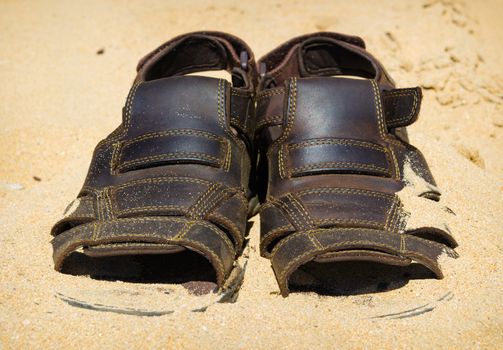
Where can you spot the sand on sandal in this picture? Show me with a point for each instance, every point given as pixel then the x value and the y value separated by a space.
pixel 66 68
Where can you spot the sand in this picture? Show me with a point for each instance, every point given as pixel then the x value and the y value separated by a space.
pixel 66 68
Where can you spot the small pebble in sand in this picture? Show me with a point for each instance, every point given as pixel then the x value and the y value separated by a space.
pixel 36 178
pixel 100 51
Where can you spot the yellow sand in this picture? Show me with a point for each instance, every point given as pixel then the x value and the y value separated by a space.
pixel 59 98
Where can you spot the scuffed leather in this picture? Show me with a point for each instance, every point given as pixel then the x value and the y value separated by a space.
pixel 176 172
pixel 330 163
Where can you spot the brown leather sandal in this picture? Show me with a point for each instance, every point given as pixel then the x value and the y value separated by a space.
pixel 174 175
pixel 343 183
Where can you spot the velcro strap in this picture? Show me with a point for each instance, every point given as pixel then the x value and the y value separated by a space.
pixel 173 147
pixel 331 155
pixel 401 106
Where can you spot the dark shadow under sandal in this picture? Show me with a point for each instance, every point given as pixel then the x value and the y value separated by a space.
pixel 173 178
pixel 343 183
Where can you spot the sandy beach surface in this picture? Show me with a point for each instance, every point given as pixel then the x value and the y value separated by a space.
pixel 66 68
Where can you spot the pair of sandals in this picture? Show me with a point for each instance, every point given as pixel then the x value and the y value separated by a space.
pixel 315 131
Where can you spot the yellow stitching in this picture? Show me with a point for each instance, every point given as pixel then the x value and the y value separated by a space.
pixel 395 162
pixel 290 118
pixel 115 156
pixel 412 111
pixel 302 256
pixel 269 119
pixel 232 227
pixel 156 180
pixel 346 165
pixel 129 107
pixel 271 235
pixel 109 201
pixel 302 210
pixel 237 122
pixel 377 101
pixel 151 208
pixel 209 251
pixel 370 223
pixel 168 156
pixel 280 161
pixel 95 231
pixel 270 93
pixel 217 196
pixel 198 222
pixel 343 190
pixel 174 132
pixel 330 141
pixel 188 225
pixel 390 211
pixel 291 215
pixel 378 233
pixel 195 208
pixel 228 156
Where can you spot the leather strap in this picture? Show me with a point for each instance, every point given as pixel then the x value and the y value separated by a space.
pixel 197 235
pixel 401 107
pixel 302 247
pixel 331 155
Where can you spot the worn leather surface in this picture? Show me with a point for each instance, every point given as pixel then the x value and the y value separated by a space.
pixel 331 162
pixel 176 173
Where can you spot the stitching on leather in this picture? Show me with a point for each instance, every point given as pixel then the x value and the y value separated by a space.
pixel 194 210
pixel 397 121
pixel 221 118
pixel 346 165
pixel 382 127
pixel 277 231
pixel 237 123
pixel 395 162
pixel 168 156
pixel 292 108
pixel 283 206
pixel 114 159
pixel 390 213
pixel 302 256
pixel 232 227
pixel 352 221
pixel 378 233
pixel 129 108
pixel 269 119
pixel 216 197
pixel 152 208
pixel 242 198
pixel 377 102
pixel 198 222
pixel 95 231
pixel 343 190
pixel 108 200
pixel 228 156
pixel 281 160
pixel 174 132
pixel 183 231
pixel 333 141
pixel 157 180
pixel 270 93
pixel 210 252
pixel 307 217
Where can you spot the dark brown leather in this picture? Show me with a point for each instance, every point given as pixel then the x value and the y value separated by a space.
pixel 175 174
pixel 337 170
